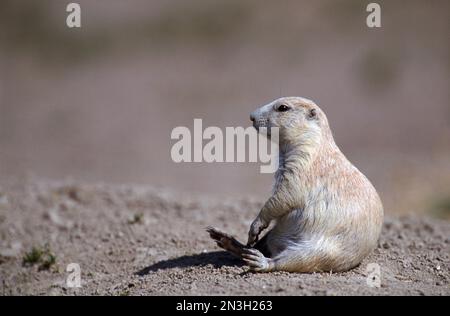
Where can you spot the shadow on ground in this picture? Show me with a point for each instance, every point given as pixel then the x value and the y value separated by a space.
pixel 217 259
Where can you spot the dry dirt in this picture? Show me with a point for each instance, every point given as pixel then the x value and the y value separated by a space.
pixel 131 240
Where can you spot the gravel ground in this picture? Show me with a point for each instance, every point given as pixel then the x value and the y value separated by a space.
pixel 132 240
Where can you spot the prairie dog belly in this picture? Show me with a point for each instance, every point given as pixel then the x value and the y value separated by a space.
pixel 287 232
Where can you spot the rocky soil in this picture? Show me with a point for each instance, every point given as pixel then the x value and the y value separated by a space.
pixel 131 240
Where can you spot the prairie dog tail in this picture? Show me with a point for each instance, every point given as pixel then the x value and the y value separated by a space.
pixel 227 242
pixel 252 256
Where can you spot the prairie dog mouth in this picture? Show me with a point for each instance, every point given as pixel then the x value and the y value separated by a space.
pixel 261 122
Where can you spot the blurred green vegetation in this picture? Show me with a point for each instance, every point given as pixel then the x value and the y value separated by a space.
pixel 40 255
pixel 32 26
pixel 440 207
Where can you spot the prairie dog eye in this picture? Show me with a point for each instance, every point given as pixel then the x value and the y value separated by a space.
pixel 283 108
pixel 312 113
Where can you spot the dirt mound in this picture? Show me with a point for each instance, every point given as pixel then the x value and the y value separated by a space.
pixel 131 240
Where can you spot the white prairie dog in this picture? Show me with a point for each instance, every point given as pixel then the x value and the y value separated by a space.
pixel 327 214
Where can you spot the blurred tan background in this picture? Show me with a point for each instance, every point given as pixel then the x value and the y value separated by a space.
pixel 99 103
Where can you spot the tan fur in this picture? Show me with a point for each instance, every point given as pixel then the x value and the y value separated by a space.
pixel 327 214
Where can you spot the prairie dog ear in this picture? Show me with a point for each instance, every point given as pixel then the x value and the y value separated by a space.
pixel 312 114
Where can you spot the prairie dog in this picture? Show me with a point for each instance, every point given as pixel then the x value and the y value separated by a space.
pixel 327 215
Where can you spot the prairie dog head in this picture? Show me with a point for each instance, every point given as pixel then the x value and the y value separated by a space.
pixel 300 121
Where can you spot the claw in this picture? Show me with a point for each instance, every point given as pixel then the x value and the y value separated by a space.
pixel 253 251
pixel 250 257
pixel 256 260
